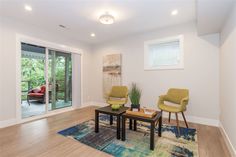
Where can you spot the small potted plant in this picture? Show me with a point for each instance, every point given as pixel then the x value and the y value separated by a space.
pixel 134 96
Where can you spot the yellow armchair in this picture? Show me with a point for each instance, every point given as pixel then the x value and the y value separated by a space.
pixel 117 96
pixel 178 100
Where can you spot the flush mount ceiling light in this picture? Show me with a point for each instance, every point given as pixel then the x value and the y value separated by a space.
pixel 92 34
pixel 107 19
pixel 28 8
pixel 174 12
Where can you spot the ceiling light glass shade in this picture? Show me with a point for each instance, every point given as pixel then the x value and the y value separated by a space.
pixel 28 8
pixel 107 19
pixel 174 12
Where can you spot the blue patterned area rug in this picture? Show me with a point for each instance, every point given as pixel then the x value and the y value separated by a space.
pixel 137 142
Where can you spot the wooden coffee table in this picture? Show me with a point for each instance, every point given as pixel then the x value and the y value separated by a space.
pixel 108 110
pixel 156 119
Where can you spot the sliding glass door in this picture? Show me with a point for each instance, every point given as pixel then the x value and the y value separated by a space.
pixel 60 80
pixel 46 80
pixel 33 84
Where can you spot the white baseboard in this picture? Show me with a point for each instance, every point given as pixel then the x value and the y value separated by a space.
pixel 94 103
pixel 14 121
pixel 6 123
pixel 193 119
pixel 89 103
pixel 51 113
pixel 229 144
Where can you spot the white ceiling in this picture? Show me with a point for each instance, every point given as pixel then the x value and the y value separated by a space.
pixel 131 16
pixel 212 14
pixel 81 16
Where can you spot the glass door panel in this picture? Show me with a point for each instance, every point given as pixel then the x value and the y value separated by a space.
pixel 33 87
pixel 60 80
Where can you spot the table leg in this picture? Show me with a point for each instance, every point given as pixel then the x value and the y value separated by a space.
pixel 135 125
pixel 159 126
pixel 123 128
pixel 152 135
pixel 130 124
pixel 96 121
pixel 111 119
pixel 118 127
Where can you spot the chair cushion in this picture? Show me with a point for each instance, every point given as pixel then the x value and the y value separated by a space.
pixel 172 108
pixel 116 102
pixel 36 90
pixel 36 94
pixel 176 95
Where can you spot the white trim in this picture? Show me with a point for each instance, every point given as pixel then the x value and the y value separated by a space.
pixel 47 44
pixel 180 66
pixel 9 122
pixel 18 78
pixel 50 113
pixel 81 79
pixel 204 121
pixel 77 82
pixel 94 103
pixel 194 119
pixel 229 144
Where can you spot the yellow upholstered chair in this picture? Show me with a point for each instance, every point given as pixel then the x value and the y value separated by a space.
pixel 175 101
pixel 117 96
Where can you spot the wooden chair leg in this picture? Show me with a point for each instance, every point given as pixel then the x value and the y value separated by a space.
pixel 169 116
pixel 177 121
pixel 184 119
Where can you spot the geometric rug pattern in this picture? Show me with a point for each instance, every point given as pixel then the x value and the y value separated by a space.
pixel 171 144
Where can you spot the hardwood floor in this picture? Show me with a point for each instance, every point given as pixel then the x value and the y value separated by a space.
pixel 40 139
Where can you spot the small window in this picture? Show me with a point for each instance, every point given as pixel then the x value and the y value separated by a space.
pixel 164 54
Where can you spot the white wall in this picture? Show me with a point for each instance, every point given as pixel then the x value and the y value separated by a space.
pixel 8 30
pixel 228 78
pixel 200 75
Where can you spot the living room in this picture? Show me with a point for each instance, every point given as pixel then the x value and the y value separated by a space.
pixel 62 60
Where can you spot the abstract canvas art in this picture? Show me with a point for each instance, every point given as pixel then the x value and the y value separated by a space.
pixel 111 72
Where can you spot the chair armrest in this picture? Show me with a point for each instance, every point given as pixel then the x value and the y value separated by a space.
pixel 184 102
pixel 107 98
pixel 161 99
pixel 30 91
pixel 108 95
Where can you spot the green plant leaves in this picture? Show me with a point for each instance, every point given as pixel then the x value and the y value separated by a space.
pixel 135 94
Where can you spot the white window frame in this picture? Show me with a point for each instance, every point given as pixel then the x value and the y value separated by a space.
pixel 159 41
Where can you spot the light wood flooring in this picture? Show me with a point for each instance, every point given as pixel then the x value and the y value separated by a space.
pixel 40 139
